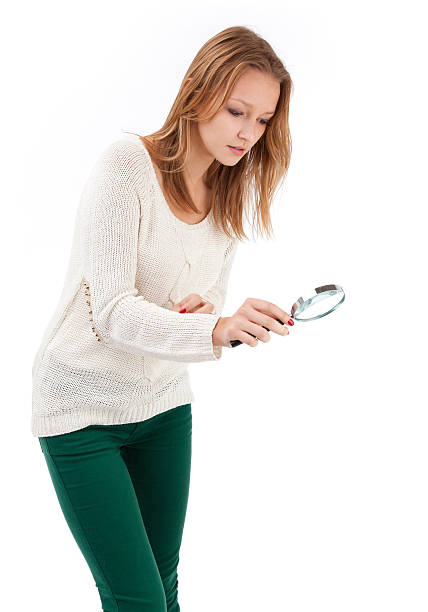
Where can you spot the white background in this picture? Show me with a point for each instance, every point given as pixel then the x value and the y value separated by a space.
pixel 309 464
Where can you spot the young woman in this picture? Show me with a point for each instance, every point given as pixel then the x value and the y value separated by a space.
pixel 155 236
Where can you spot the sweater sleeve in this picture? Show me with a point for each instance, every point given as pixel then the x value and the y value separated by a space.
pixel 217 293
pixel 122 319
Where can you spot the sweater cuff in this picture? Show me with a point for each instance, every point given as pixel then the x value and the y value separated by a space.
pixel 217 350
pixel 214 351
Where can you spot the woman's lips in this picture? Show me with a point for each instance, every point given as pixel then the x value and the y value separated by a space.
pixel 236 151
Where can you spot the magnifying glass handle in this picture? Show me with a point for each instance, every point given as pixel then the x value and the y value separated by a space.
pixel 234 343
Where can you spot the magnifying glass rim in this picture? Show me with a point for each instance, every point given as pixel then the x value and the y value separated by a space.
pixel 321 289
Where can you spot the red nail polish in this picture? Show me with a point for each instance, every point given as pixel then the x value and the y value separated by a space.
pixel 183 310
pixel 291 322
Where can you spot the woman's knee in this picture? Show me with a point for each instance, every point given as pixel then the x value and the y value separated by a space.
pixel 123 603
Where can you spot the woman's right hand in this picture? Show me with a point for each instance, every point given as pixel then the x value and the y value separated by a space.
pixel 251 318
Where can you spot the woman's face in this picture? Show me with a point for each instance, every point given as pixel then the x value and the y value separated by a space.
pixel 239 124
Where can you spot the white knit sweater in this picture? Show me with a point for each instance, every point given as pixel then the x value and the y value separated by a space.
pixel 114 351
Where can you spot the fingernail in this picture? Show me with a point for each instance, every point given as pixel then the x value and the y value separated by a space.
pixel 183 310
pixel 291 322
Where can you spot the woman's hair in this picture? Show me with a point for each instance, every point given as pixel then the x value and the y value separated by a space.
pixel 205 87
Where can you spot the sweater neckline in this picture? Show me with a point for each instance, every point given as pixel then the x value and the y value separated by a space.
pixel 190 226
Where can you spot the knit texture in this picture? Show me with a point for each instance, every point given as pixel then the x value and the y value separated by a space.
pixel 114 352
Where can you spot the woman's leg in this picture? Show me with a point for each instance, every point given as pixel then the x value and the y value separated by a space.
pixel 98 500
pixel 158 458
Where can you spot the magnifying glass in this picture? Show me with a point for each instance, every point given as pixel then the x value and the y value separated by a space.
pixel 326 299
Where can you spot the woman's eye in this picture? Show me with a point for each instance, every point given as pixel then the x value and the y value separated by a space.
pixel 234 112
pixel 237 113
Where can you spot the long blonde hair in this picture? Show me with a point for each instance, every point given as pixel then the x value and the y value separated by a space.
pixel 206 85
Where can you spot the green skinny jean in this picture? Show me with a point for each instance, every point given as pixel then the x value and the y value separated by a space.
pixel 123 490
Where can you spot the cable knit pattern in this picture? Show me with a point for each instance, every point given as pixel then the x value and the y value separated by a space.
pixel 114 351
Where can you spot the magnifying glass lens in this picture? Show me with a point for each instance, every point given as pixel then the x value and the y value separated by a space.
pixel 319 305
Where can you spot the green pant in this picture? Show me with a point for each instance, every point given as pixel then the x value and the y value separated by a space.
pixel 123 490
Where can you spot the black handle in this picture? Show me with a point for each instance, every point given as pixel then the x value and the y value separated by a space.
pixel 234 343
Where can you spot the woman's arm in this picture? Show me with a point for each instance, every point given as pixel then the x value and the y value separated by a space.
pixel 217 293
pixel 122 319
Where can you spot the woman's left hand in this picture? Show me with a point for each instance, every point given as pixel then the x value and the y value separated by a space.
pixel 194 303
